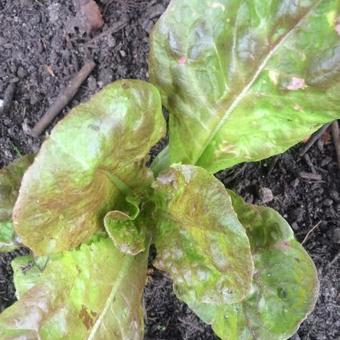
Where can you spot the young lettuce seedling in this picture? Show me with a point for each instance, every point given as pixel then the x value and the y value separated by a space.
pixel 242 80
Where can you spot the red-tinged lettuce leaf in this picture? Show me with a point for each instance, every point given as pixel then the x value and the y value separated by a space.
pixel 92 159
pixel 94 292
pixel 125 234
pixel 125 230
pixel 199 240
pixel 285 283
pixel 10 180
pixel 245 79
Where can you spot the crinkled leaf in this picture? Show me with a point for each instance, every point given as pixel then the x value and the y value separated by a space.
pixel 199 240
pixel 123 228
pixel 92 157
pixel 245 79
pixel 129 210
pixel 125 234
pixel 10 179
pixel 285 284
pixel 94 292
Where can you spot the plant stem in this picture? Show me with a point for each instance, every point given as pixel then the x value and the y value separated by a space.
pixel 161 162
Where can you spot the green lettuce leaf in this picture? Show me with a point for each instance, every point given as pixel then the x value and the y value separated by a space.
pixel 10 180
pixel 285 284
pixel 125 234
pixel 26 274
pixel 93 158
pixel 125 230
pixel 199 240
pixel 244 79
pixel 94 292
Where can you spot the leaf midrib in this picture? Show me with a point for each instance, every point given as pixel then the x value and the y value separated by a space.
pixel 247 87
pixel 125 269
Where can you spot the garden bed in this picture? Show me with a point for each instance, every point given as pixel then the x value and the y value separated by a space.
pixel 42 45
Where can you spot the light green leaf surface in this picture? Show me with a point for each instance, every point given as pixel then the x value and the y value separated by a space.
pixel 92 159
pixel 124 229
pixel 199 240
pixel 10 179
pixel 285 284
pixel 26 274
pixel 245 79
pixel 94 292
pixel 125 234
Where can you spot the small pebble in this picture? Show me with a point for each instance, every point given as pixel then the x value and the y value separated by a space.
pixel 336 235
pixel 21 73
pixel 35 20
pixel 53 12
pixel 13 68
pixel 34 99
pixel 328 202
pixel 105 76
pixel 266 195
pixel 92 83
pixel 295 226
pixel 335 195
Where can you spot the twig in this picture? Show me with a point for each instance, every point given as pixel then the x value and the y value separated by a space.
pixel 336 140
pixel 310 176
pixel 63 99
pixel 314 138
pixel 273 164
pixel 336 258
pixel 308 234
pixel 8 99
pixel 234 175
pixel 309 163
pixel 117 26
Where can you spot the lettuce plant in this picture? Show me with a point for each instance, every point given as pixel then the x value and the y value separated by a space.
pixel 242 80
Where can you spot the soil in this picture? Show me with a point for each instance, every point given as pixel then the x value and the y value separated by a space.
pixel 42 43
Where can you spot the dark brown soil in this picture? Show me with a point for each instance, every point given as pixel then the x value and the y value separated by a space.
pixel 42 45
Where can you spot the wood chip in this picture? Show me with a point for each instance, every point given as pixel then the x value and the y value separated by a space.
pixel 314 138
pixel 310 176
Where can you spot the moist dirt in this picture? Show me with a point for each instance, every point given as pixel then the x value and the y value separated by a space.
pixel 43 43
